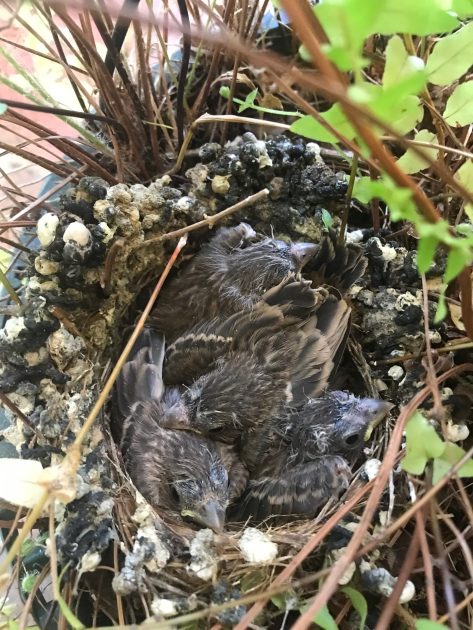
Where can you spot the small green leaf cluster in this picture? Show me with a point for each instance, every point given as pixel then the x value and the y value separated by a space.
pixel 423 445
pixel 396 101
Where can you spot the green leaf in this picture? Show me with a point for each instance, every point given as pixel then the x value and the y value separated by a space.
pixel 304 54
pixel 422 444
pixel 308 127
pixel 426 252
pixel 396 105
pixel 451 455
pixel 285 601
pixel 327 219
pixel 459 109
pixel 426 624
pixel 422 17
pixel 465 176
pixel 464 8
pixel 451 56
pixel 249 101
pixel 28 582
pixel 399 200
pixel 441 312
pixel 347 24
pixel 3 108
pixel 457 260
pixel 359 603
pixel 399 64
pixel 411 162
pixel 325 620
pixel 224 91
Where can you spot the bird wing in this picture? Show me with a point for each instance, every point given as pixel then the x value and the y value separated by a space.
pixel 301 490
pixel 322 345
pixel 140 379
pixel 191 355
pixel 237 471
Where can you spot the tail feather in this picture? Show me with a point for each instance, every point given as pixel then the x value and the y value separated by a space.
pixel 336 264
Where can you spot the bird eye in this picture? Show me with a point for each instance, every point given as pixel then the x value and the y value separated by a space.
pixel 353 439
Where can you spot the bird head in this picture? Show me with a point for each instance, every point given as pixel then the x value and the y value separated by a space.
pixel 261 265
pixel 335 423
pixel 203 495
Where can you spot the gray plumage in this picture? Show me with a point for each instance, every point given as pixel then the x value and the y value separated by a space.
pixel 175 470
pixel 229 274
pixel 304 455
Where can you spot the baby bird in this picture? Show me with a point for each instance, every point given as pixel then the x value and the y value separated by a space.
pixel 305 456
pixel 229 274
pixel 310 326
pixel 175 470
pixel 270 356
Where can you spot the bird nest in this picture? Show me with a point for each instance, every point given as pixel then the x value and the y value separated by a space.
pixel 90 277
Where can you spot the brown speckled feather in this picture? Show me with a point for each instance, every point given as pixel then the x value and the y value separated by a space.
pixel 229 274
pixel 178 470
pixel 299 490
pixel 303 455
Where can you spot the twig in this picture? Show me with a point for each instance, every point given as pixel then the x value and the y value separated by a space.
pixel 24 532
pixel 468 599
pixel 57 111
pixel 19 414
pixel 437 410
pixel 209 221
pixel 75 448
pixel 443 562
pixel 108 266
pixel 464 280
pixel 181 86
pixel 407 566
pixel 427 560
pixel 10 290
pixel 225 118
pixel 351 184
pixel 61 316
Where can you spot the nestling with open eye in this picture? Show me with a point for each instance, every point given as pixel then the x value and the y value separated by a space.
pixel 305 456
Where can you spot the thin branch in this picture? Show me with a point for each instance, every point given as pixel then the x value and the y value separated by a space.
pixel 210 221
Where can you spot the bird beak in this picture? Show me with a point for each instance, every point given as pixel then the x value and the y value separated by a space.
pixel 376 410
pixel 303 252
pixel 210 515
